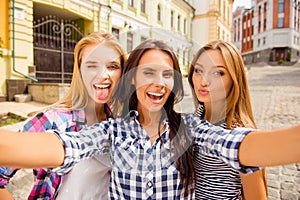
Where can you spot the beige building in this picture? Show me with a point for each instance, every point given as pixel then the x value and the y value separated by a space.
pixel 212 21
pixel 39 36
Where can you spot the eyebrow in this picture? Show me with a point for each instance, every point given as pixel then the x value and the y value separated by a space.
pixel 90 62
pixel 216 66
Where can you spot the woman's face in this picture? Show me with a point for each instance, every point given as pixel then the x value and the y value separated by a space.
pixel 154 80
pixel 211 79
pixel 100 69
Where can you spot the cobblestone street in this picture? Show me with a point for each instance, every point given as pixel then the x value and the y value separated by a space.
pixel 275 95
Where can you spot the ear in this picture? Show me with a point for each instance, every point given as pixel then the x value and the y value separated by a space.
pixel 133 81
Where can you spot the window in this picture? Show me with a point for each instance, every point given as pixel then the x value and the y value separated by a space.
pixel 143 6
pixel 179 23
pixel 129 41
pixel 115 32
pixel 280 22
pixel 172 19
pixel 131 3
pixel 184 26
pixel 280 6
pixel 158 13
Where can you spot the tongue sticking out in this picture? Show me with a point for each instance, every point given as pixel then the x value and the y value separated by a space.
pixel 102 94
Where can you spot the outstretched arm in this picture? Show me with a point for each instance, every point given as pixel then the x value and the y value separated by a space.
pixel 25 150
pixel 4 194
pixel 270 148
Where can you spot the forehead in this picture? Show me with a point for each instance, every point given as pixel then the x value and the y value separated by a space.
pixel 211 57
pixel 156 57
pixel 100 52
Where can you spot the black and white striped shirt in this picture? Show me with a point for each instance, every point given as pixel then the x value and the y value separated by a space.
pixel 215 179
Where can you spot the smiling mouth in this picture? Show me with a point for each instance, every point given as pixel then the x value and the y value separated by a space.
pixel 156 97
pixel 101 86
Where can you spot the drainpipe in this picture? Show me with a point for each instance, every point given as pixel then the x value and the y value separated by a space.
pixel 13 46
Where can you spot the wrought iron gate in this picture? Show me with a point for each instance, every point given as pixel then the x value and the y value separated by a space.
pixel 54 42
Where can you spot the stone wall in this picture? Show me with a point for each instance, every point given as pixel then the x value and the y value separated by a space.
pixel 47 92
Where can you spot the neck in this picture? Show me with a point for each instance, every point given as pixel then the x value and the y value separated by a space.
pixel 94 113
pixel 151 123
pixel 215 112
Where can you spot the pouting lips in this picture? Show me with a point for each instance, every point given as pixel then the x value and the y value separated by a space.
pixel 155 96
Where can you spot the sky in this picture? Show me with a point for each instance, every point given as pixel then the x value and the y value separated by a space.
pixel 246 3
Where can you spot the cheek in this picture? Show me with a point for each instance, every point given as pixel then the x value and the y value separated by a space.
pixel 170 84
pixel 197 79
pixel 228 87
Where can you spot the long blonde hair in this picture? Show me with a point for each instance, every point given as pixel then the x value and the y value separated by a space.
pixel 238 104
pixel 77 95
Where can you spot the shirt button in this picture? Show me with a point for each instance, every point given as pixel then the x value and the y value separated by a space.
pixel 149 184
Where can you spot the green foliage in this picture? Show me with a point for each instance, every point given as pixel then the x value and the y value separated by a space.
pixel 10 119
pixel 289 56
pixel 271 58
pixel 280 62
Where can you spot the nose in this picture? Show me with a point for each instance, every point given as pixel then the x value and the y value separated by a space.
pixel 160 80
pixel 103 73
pixel 205 79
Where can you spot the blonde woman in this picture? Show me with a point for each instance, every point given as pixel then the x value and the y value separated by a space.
pixel 98 65
pixel 150 143
pixel 218 80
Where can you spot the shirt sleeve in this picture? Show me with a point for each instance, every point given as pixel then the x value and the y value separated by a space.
pixel 222 143
pixel 38 123
pixel 84 144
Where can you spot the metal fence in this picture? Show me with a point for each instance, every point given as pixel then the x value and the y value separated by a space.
pixel 54 42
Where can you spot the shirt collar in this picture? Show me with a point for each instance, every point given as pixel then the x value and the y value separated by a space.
pixel 79 117
pixel 131 117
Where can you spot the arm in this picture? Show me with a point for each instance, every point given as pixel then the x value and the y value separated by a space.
pixel 270 148
pixel 38 123
pixel 49 150
pixel 4 194
pixel 254 185
pixel 30 150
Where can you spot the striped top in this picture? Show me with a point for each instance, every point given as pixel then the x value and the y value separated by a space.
pixel 214 178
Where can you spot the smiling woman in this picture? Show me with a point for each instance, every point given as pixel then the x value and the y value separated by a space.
pixel 142 167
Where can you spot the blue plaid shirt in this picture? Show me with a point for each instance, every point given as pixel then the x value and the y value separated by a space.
pixel 141 170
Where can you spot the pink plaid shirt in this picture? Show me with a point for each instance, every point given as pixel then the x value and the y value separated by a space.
pixel 47 183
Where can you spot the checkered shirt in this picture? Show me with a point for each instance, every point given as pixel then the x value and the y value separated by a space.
pixel 141 170
pixel 46 183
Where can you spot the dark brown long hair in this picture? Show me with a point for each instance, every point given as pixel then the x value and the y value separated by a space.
pixel 125 99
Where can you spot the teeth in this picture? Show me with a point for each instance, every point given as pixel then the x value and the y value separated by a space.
pixel 101 86
pixel 155 94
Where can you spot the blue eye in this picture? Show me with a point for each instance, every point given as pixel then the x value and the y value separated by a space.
pixel 168 74
pixel 218 73
pixel 197 70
